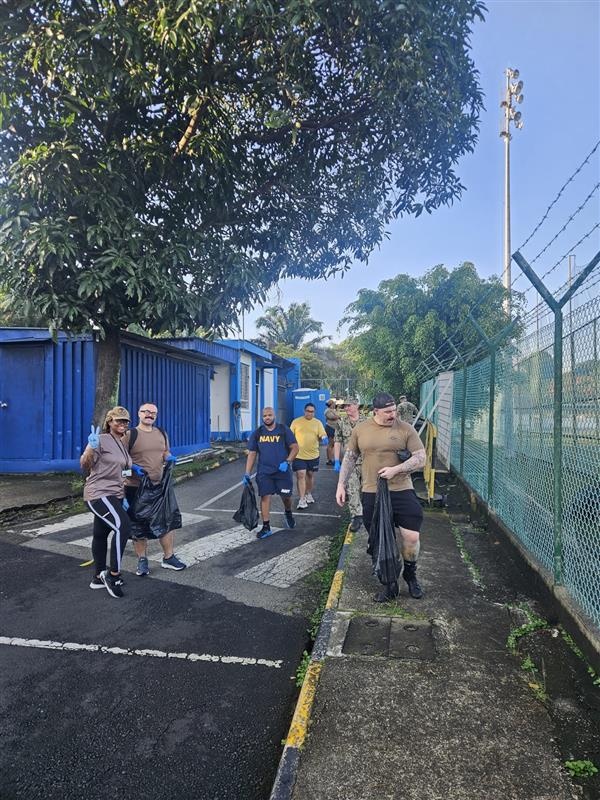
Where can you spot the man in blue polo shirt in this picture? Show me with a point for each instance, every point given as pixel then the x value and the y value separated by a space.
pixel 276 448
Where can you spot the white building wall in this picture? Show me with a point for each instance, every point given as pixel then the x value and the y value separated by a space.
pixel 220 402
pixel 246 394
pixel 269 387
pixel 443 416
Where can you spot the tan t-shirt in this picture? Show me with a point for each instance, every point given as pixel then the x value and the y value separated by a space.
pixel 106 472
pixel 148 452
pixel 378 446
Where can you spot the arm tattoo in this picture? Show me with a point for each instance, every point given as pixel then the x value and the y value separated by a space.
pixel 414 463
pixel 348 465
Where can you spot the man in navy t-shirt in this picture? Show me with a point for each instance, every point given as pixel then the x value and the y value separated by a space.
pixel 276 447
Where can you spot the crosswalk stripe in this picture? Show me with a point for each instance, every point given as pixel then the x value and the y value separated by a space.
pixel 186 521
pixel 288 568
pixel 76 521
pixel 213 545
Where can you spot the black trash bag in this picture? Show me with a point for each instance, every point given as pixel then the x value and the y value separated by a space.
pixel 247 513
pixel 383 547
pixel 156 506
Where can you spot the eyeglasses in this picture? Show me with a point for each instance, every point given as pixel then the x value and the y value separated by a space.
pixel 121 421
pixel 148 413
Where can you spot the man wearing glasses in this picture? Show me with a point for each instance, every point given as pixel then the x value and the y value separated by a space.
pixel 309 433
pixel 149 448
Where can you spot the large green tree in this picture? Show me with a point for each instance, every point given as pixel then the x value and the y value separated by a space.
pixel 399 325
pixel 164 162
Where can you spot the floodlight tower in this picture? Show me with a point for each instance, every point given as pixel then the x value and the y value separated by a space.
pixel 513 94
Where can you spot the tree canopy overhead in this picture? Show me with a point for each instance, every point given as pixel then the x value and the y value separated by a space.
pixel 164 162
pixel 399 325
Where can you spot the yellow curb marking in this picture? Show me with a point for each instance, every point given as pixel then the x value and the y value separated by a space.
pixel 299 726
pixel 336 588
pixel 336 584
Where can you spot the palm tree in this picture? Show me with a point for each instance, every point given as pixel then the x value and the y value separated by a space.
pixel 291 327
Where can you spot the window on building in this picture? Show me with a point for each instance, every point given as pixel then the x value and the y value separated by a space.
pixel 245 385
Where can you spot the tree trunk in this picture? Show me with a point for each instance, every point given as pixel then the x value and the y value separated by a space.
pixel 108 368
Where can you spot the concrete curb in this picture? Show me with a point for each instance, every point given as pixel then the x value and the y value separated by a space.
pixel 287 771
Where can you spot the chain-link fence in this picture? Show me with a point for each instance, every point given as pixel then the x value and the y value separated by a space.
pixel 545 488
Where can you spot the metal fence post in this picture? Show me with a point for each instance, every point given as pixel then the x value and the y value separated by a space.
pixel 556 306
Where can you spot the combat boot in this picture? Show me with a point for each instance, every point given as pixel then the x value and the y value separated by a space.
pixel 410 576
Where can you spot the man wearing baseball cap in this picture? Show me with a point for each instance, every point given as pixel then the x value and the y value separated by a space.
pixel 380 441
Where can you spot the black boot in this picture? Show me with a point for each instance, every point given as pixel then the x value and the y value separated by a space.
pixel 410 576
pixel 355 524
pixel 390 592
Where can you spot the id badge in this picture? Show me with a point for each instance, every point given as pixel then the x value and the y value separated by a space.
pixel 126 473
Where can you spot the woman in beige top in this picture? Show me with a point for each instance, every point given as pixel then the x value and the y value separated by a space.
pixel 108 463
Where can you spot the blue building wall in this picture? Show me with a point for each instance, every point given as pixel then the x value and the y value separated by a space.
pixel 47 395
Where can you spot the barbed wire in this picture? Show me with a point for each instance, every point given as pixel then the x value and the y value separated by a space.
pixel 567 223
pixel 558 196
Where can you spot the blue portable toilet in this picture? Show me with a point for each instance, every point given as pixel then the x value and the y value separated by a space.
pixel 318 397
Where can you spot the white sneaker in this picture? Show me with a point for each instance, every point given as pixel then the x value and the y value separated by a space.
pixel 302 503
pixel 310 498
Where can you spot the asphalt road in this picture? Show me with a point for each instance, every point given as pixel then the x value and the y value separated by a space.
pixel 182 689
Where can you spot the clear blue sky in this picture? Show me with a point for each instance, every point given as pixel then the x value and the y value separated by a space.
pixel 556 46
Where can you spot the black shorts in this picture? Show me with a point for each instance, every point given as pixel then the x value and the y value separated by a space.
pixel 275 483
pixel 405 505
pixel 309 464
pixel 330 431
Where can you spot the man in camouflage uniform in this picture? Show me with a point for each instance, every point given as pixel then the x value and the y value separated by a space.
pixel 406 410
pixel 343 431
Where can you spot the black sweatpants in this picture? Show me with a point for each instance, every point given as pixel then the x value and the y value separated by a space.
pixel 109 516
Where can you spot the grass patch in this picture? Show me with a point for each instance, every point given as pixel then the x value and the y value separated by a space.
pixel 392 609
pixel 534 623
pixel 536 676
pixel 322 578
pixel 581 769
pixel 568 639
pixel 464 554
pixel 302 667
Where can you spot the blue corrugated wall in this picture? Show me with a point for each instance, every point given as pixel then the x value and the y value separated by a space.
pixel 47 396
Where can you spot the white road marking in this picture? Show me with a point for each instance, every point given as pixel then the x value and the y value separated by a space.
pixel 186 519
pixel 288 568
pixel 222 494
pixel 79 520
pixel 121 651
pixel 213 545
pixel 76 521
pixel 300 513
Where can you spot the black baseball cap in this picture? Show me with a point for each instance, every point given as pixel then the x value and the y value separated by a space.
pixel 383 400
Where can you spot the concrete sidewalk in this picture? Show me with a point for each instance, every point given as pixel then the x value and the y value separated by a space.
pixel 422 700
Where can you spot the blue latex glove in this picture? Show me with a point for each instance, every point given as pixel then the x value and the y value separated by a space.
pixel 246 480
pixel 137 470
pixel 336 465
pixel 284 466
pixel 170 459
pixel 325 440
pixel 94 437
pixel 125 504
